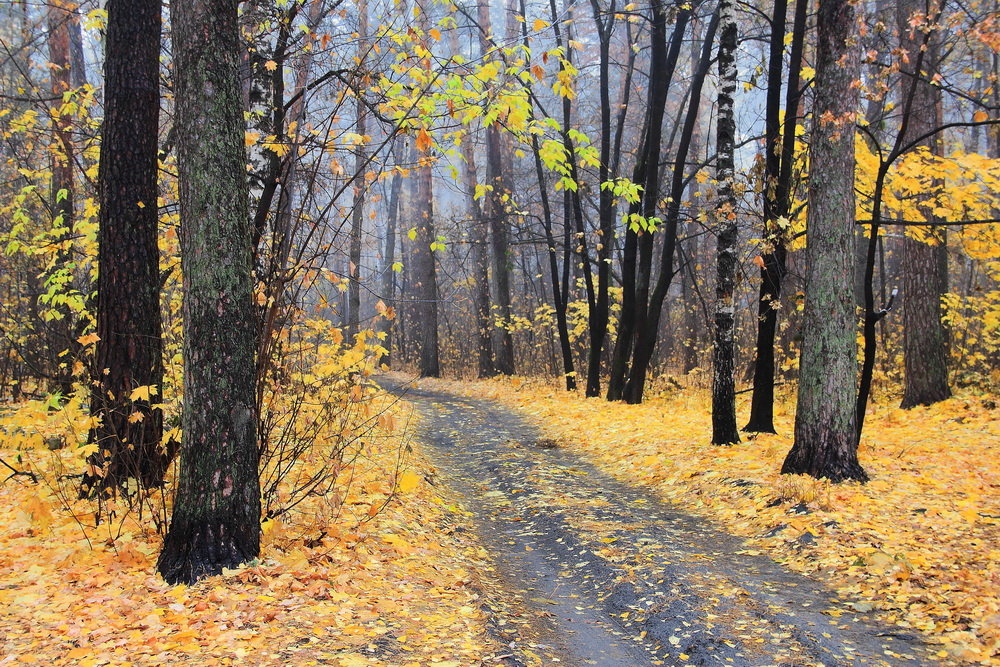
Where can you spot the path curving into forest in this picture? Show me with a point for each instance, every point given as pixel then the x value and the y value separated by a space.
pixel 595 572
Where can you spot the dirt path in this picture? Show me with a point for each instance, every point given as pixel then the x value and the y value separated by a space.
pixel 597 572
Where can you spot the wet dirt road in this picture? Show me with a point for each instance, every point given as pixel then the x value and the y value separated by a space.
pixel 595 572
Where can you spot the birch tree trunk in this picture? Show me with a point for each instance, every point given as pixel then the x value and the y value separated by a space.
pixel 724 429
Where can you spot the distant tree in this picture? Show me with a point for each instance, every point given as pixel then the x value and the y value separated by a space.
pixel 360 187
pixel 62 334
pixel 216 515
pixel 924 265
pixel 424 242
pixel 825 439
pixel 496 203
pixel 724 430
pixel 129 351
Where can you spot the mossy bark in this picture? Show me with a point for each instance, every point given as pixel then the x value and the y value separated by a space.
pixel 825 439
pixel 216 516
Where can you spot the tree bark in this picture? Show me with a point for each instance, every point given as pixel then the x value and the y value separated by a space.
pixel 825 440
pixel 216 515
pixel 425 271
pixel 360 185
pixel 924 266
pixel 129 351
pixel 62 334
pixel 778 176
pixel 495 210
pixel 724 430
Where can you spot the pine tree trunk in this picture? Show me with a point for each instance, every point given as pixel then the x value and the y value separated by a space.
pixel 129 351
pixel 924 266
pixel 724 429
pixel 216 515
pixel 825 439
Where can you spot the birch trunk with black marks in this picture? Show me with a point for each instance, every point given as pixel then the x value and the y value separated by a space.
pixel 724 430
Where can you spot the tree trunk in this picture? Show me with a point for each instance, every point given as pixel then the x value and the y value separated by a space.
pixel 389 255
pixel 63 332
pixel 129 351
pixel 777 197
pixel 637 253
pixel 648 326
pixel 496 206
pixel 924 266
pixel 216 515
pixel 360 185
pixel 825 440
pixel 724 431
pixel 478 233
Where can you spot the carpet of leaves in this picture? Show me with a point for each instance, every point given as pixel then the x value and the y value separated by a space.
pixel 920 543
pixel 382 574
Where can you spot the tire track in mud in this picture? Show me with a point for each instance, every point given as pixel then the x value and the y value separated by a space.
pixel 596 572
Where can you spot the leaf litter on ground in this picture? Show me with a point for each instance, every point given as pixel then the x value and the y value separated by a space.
pixel 920 543
pixel 383 573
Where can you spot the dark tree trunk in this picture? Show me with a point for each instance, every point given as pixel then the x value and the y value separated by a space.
pixel 129 351
pixel 360 185
pixel 724 430
pixel 924 266
pixel 216 515
pixel 559 295
pixel 825 438
pixel 478 238
pixel 425 270
pixel 648 326
pixel 637 254
pixel 496 212
pixel 600 314
pixel 778 176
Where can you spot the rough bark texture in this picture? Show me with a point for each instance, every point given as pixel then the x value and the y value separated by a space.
pixel 924 266
pixel 129 352
pixel 495 211
pixel 825 439
pixel 724 430
pixel 216 515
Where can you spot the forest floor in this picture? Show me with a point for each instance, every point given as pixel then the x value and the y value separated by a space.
pixel 604 573
pixel 387 572
pixel 919 545
pixel 540 554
